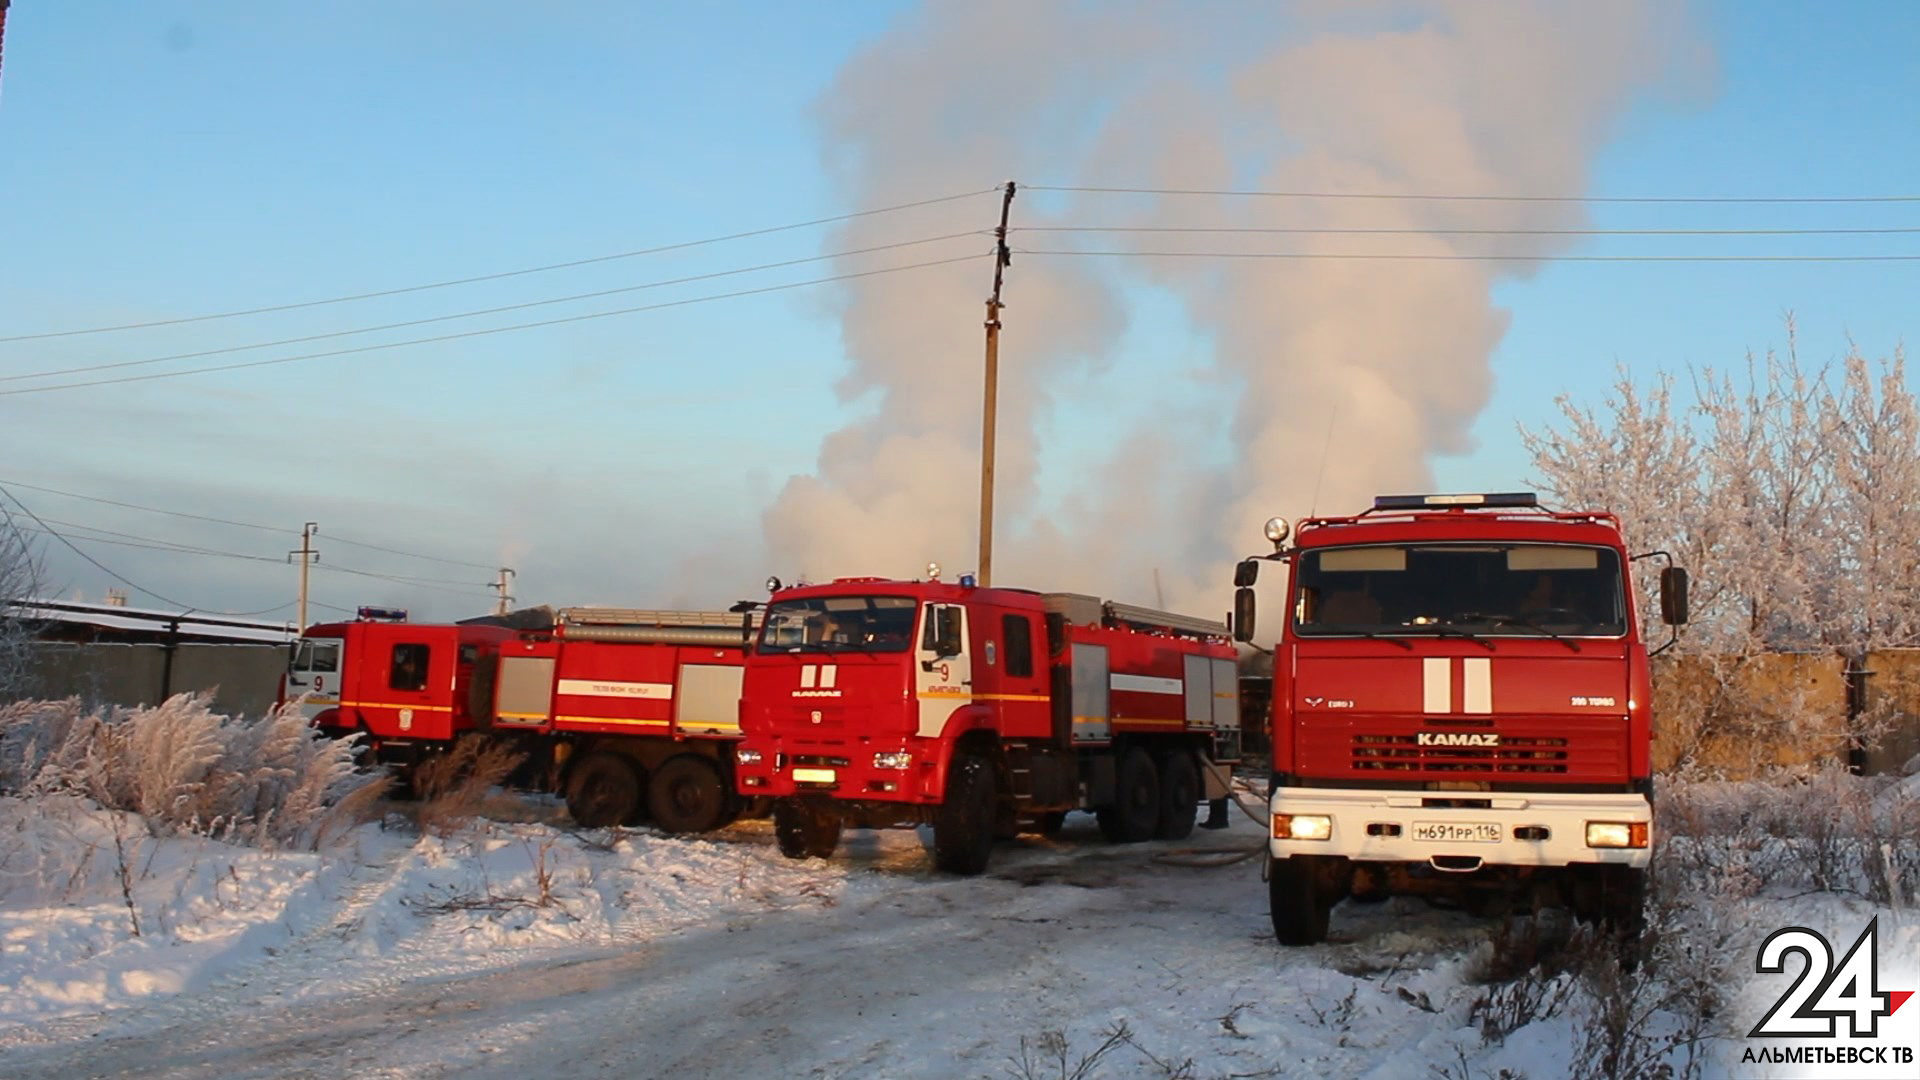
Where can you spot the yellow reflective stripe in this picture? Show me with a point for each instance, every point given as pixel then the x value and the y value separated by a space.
pixel 522 715
pixel 985 697
pixel 323 701
pixel 397 705
pixel 611 720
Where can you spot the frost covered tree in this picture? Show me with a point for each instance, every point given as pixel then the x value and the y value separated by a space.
pixel 1791 494
pixel 20 579
pixel 1635 458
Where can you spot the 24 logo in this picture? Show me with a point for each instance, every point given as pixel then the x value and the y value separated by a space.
pixel 1825 992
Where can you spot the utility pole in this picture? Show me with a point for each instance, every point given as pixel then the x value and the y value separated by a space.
pixel 1001 259
pixel 308 557
pixel 501 587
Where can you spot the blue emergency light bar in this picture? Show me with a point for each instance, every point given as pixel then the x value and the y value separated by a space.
pixel 383 614
pixel 1424 502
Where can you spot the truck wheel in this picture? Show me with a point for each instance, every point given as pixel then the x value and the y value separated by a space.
pixel 804 831
pixel 1297 902
pixel 1136 800
pixel 963 824
pixel 1179 795
pixel 687 795
pixel 603 789
pixel 1623 901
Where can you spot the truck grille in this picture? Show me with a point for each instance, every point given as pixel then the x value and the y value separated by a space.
pixel 1515 754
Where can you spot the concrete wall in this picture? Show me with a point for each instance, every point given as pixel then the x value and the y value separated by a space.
pixel 1893 687
pixel 1742 715
pixel 245 678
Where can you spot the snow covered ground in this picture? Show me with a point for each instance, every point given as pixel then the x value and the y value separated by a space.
pixel 530 949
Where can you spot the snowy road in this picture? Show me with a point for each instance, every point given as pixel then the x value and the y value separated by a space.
pixel 867 965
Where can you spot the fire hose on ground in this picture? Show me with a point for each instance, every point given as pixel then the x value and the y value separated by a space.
pixel 1215 858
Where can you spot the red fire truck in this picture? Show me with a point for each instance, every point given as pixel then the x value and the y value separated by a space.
pixel 1461 709
pixel 633 714
pixel 981 711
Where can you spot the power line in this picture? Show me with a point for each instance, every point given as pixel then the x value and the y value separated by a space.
pixel 484 311
pixel 1435 197
pixel 462 588
pixel 332 539
pixel 148 509
pixel 493 330
pixel 135 540
pixel 237 524
pixel 410 582
pixel 1438 257
pixel 505 273
pixel 1314 231
pixel 97 564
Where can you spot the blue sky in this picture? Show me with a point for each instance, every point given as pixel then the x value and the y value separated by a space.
pixel 169 161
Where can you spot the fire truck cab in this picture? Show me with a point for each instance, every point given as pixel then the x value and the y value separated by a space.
pixel 403 685
pixel 983 712
pixel 1461 710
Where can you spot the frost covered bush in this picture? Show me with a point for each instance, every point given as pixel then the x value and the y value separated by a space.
pixel 186 769
pixel 1823 831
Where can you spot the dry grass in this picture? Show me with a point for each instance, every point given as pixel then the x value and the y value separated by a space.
pixel 184 768
pixel 457 786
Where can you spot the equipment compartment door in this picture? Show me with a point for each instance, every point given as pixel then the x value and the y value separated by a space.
pixel 524 695
pixel 709 699
pixel 1090 688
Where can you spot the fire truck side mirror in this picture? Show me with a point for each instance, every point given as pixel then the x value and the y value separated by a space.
pixel 943 631
pixel 1246 573
pixel 1242 613
pixel 1673 596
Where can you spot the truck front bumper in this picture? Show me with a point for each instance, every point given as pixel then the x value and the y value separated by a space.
pixel 1462 831
pixel 895 770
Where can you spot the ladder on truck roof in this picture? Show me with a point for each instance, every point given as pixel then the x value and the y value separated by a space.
pixel 657 627
pixel 1084 610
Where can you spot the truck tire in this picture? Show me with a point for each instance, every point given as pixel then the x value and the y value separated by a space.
pixel 687 795
pixel 1179 796
pixel 963 824
pixel 604 789
pixel 1135 812
pixel 1623 901
pixel 804 831
pixel 1297 902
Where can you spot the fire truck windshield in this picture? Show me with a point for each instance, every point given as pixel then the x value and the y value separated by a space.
pixel 1518 590
pixel 839 623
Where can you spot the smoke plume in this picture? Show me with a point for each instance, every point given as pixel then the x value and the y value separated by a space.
pixel 1323 381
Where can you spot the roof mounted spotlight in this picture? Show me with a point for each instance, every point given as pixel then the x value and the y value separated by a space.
pixel 1277 530
pixel 773 584
pixel 1424 502
pixel 933 571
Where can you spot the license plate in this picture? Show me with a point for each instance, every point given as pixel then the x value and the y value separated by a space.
pixel 1470 832
pixel 814 776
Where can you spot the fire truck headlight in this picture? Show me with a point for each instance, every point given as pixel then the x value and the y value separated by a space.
pixel 1302 827
pixel 747 757
pixel 896 760
pixel 1277 529
pixel 1617 834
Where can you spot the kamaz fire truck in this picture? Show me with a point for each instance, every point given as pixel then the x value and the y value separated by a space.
pixel 1461 709
pixel 633 714
pixel 983 712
